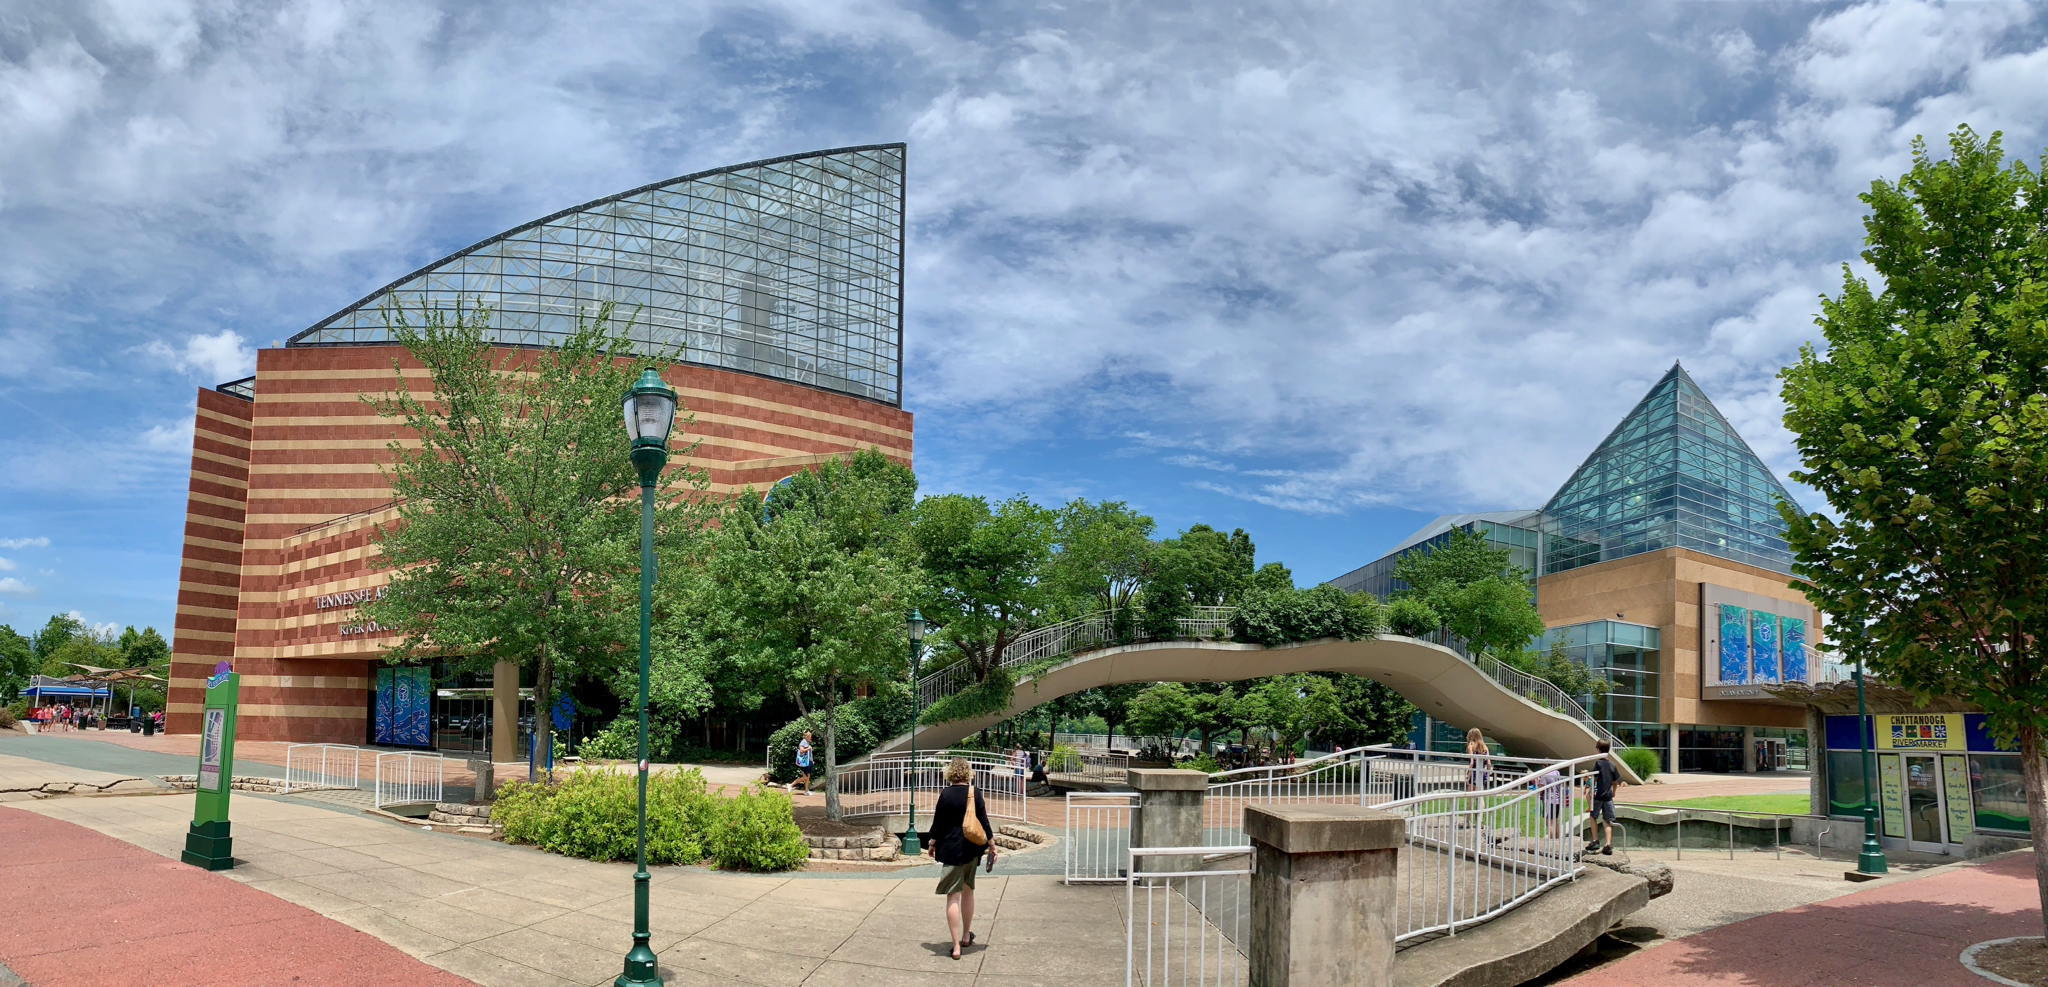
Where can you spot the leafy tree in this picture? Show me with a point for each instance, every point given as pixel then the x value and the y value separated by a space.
pixel 1161 709
pixel 519 513
pixel 144 649
pixel 1373 713
pixel 1475 590
pixel 17 661
pixel 1211 568
pixel 1103 552
pixel 1288 615
pixel 1272 577
pixel 1115 704
pixel 982 568
pixel 1925 425
pixel 1412 617
pixel 803 601
pixel 1557 667
pixel 59 629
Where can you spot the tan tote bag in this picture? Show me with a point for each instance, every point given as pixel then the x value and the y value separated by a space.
pixel 970 824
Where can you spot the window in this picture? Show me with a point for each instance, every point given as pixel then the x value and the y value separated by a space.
pixel 1845 783
pixel 1999 792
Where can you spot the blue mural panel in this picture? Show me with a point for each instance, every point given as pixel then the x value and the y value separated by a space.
pixel 1763 645
pixel 1792 644
pixel 1734 645
pixel 404 707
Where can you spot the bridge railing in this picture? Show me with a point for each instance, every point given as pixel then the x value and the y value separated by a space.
pixel 1059 640
pixel 897 784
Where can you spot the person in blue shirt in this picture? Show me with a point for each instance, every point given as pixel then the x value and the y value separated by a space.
pixel 803 765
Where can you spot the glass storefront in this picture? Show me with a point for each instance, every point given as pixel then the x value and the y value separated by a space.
pixel 1627 656
pixel 1937 778
pixel 1717 749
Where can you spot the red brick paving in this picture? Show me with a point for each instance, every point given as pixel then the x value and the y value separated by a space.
pixel 1909 934
pixel 80 908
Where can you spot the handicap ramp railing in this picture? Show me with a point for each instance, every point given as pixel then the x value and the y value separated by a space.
pixel 894 784
pixel 1367 776
pixel 309 766
pixel 406 778
pixel 1187 916
pixel 1098 836
pixel 1057 641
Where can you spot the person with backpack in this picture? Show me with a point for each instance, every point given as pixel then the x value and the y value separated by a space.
pixel 1605 776
pixel 958 839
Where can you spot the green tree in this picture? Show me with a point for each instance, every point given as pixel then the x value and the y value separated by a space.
pixel 1474 588
pixel 1211 568
pixel 982 586
pixel 1161 709
pixel 519 512
pixel 796 605
pixel 17 661
pixel 1115 707
pixel 1101 557
pixel 1272 577
pixel 144 649
pixel 59 629
pixel 1925 425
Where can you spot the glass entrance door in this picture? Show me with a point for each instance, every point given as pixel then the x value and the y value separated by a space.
pixel 1926 817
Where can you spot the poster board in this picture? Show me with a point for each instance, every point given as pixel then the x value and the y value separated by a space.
pixel 1750 641
pixel 1955 785
pixel 208 843
pixel 1891 794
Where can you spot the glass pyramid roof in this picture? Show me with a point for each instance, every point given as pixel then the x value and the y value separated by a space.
pixel 790 268
pixel 1674 473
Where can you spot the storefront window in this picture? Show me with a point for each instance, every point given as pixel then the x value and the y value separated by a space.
pixel 1845 783
pixel 1998 790
pixel 1710 749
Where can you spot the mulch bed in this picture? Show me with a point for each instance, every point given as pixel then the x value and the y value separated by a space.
pixel 2025 961
pixel 811 819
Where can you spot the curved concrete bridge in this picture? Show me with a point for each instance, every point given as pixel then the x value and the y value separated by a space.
pixel 1431 676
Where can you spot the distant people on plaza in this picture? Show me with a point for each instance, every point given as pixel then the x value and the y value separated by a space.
pixel 961 856
pixel 1038 768
pixel 1020 765
pixel 1481 771
pixel 1605 775
pixel 803 765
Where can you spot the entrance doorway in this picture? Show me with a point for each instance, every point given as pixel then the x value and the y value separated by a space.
pixel 1925 815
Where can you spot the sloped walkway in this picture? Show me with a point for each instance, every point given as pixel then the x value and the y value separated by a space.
pixel 1908 934
pixel 82 908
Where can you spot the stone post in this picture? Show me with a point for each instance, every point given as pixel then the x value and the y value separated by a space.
pixel 1169 813
pixel 1323 895
pixel 486 776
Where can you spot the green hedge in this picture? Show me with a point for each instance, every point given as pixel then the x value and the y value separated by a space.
pixel 1643 761
pixel 861 725
pixel 1289 615
pixel 593 814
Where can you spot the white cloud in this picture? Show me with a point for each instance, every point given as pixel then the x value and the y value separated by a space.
pixel 218 358
pixel 12 585
pixel 7 565
pixel 39 541
pixel 173 436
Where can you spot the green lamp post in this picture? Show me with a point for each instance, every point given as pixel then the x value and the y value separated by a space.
pixel 1871 860
pixel 916 627
pixel 650 412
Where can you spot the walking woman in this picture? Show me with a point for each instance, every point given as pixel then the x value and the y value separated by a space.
pixel 956 848
pixel 803 765
pixel 1482 765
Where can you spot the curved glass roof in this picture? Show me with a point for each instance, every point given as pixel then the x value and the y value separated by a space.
pixel 790 268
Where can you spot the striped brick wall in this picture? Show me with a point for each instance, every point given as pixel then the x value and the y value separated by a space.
pixel 314 493
pixel 210 575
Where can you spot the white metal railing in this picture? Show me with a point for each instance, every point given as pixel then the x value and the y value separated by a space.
pixel 1057 640
pixel 1190 924
pixel 406 778
pixel 1105 769
pixel 1098 836
pixel 1367 776
pixel 1472 855
pixel 1544 693
pixel 897 784
pixel 322 766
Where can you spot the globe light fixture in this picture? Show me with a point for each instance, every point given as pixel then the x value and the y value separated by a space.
pixel 650 409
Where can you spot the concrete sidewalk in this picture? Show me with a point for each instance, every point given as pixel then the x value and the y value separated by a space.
pixel 508 916
pixel 1907 933
pixel 82 908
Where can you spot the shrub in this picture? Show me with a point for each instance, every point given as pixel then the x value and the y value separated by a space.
pixel 1641 760
pixel 7 718
pixel 1410 617
pixel 754 830
pixel 1204 762
pixel 618 741
pixel 594 815
pixel 1287 615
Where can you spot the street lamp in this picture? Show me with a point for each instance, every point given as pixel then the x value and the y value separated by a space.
pixel 650 412
pixel 1871 860
pixel 916 627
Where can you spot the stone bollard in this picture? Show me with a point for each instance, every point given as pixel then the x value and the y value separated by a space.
pixel 1169 813
pixel 486 777
pixel 1323 895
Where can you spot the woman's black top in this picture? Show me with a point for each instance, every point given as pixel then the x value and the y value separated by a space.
pixel 949 844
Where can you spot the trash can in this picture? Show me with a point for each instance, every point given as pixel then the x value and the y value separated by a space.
pixel 149 726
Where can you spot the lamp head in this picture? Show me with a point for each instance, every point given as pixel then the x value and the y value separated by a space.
pixel 916 625
pixel 650 409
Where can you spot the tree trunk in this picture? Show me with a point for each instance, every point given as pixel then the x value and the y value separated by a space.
pixel 2032 768
pixel 832 809
pixel 543 710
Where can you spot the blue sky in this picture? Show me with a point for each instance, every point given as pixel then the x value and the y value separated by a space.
pixel 1318 270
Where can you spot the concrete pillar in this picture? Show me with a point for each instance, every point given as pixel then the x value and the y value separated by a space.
pixel 505 712
pixel 1169 813
pixel 1323 894
pixel 1671 759
pixel 1749 764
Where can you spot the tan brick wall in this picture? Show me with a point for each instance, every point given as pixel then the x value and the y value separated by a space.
pixel 1662 589
pixel 312 450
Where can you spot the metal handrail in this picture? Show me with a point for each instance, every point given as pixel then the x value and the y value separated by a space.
pixel 1544 691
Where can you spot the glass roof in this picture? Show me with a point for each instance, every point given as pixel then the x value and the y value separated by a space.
pixel 1674 473
pixel 790 268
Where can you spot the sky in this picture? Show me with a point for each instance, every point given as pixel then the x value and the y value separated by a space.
pixel 1318 270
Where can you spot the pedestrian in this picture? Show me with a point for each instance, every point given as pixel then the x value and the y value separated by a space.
pixel 803 765
pixel 1605 775
pixel 1551 791
pixel 1020 765
pixel 959 847
pixel 1481 768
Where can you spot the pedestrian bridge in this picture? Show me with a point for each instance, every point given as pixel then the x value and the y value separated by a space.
pixel 1526 715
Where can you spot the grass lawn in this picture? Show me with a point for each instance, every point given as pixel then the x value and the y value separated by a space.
pixel 1788 802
